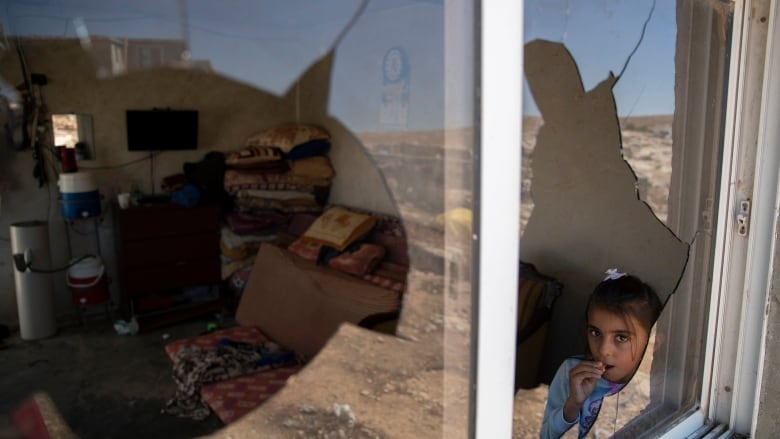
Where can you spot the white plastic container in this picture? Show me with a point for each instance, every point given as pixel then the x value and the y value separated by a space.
pixel 76 182
pixel 34 295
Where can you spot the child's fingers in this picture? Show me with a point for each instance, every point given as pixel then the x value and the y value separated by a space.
pixel 588 366
pixel 586 375
pixel 582 374
pixel 594 364
pixel 582 381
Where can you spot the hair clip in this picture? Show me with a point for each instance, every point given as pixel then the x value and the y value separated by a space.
pixel 613 274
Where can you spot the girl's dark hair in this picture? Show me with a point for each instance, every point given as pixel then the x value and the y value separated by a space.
pixel 628 295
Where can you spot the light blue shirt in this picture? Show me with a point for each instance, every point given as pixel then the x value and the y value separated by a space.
pixel 553 423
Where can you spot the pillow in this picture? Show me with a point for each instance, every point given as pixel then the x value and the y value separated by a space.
pixel 339 227
pixel 253 155
pixel 361 261
pixel 316 167
pixel 305 249
pixel 287 136
pixel 309 149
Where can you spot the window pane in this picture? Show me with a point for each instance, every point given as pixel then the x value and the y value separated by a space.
pixel 659 100
pixel 390 82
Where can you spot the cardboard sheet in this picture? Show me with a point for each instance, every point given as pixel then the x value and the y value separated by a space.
pixel 300 305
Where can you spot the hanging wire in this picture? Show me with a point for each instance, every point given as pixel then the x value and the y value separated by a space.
pixel 22 264
pixel 121 165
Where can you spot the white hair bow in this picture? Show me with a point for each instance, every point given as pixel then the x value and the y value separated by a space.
pixel 613 274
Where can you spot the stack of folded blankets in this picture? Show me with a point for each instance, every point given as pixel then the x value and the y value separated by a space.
pixel 279 172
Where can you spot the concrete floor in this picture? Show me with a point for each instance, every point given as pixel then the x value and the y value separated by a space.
pixel 105 385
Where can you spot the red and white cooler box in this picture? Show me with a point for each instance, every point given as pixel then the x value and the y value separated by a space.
pixel 88 282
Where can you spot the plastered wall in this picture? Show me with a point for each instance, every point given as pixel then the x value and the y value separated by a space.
pixel 229 111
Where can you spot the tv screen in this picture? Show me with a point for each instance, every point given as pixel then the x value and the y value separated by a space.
pixel 162 130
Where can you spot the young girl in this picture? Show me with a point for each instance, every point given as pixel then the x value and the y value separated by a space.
pixel 620 313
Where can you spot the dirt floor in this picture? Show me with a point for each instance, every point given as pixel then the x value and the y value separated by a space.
pixel 104 385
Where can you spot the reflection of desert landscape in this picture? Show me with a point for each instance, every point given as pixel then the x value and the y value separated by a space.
pixel 416 167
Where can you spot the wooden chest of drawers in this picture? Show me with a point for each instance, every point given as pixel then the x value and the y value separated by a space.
pixel 164 250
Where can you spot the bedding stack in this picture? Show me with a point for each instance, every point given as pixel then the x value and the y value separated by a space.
pixel 280 172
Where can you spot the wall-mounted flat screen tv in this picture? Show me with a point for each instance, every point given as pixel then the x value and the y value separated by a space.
pixel 162 130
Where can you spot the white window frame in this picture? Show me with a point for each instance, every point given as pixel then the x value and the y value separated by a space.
pixel 736 325
pixel 741 346
pixel 497 215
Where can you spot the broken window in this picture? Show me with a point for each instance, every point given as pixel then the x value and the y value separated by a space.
pixel 630 54
pixel 396 96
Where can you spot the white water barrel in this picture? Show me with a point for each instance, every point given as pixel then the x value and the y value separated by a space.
pixel 34 295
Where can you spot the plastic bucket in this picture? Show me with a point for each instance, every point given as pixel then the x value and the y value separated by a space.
pixel 87 282
pixel 77 182
pixel 79 204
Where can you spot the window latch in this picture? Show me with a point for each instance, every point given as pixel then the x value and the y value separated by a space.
pixel 743 218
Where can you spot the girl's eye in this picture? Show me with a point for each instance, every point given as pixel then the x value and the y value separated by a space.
pixel 594 332
pixel 621 338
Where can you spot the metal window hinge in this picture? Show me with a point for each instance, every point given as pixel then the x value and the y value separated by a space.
pixel 706 215
pixel 743 217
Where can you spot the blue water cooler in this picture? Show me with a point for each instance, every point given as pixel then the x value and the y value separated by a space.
pixel 79 196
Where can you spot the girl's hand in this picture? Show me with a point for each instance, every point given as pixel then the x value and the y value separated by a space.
pixel 582 381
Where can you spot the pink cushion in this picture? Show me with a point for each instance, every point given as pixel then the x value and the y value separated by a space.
pixel 361 261
pixel 244 334
pixel 305 249
pixel 233 398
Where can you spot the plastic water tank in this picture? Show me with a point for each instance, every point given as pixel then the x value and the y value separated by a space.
pixel 34 296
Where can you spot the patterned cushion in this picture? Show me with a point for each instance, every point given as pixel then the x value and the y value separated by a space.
pixel 339 227
pixel 244 334
pixel 287 136
pixel 233 398
pixel 305 249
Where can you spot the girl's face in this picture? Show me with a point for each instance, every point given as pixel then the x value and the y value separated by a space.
pixel 617 341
